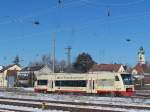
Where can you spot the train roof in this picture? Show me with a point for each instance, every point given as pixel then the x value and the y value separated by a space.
pixel 79 75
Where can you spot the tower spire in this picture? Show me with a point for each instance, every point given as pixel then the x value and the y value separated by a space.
pixel 141 56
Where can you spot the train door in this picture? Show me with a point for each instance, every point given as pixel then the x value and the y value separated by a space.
pixel 50 85
pixel 118 83
pixel 92 85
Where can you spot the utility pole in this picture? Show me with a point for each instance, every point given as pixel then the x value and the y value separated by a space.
pixel 69 57
pixel 53 53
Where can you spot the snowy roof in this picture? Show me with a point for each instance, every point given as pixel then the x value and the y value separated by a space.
pixel 7 67
pixel 33 68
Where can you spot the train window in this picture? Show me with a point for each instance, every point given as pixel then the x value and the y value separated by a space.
pixel 127 79
pixel 117 78
pixel 42 82
pixel 71 83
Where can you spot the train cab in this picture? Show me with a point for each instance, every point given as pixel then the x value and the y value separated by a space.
pixel 41 84
pixel 124 84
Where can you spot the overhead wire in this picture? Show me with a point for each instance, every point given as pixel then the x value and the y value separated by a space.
pixel 117 18
pixel 84 25
pixel 91 22
pixel 39 13
pixel 98 20
pixel 89 2
pixel 21 19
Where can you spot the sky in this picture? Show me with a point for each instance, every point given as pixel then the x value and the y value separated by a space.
pixel 97 27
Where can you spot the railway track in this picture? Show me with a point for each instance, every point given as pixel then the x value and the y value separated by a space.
pixel 73 106
pixel 57 105
pixel 75 103
pixel 12 110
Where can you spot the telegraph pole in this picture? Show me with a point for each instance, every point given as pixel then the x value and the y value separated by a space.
pixel 53 53
pixel 69 57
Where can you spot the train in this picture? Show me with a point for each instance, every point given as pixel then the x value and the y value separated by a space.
pixel 100 83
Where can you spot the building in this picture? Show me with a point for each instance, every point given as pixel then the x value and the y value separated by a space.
pixel 3 81
pixel 8 75
pixel 141 67
pixel 27 76
pixel 138 69
pixel 1 67
pixel 108 67
pixel 141 56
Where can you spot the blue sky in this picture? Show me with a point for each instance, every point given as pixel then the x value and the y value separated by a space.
pixel 82 24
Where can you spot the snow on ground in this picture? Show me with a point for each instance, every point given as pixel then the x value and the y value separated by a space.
pixel 20 108
pixel 76 98
pixel 28 89
pixel 30 109
pixel 80 98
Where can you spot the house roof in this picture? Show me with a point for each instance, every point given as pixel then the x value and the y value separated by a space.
pixel 7 67
pixel 142 68
pixel 139 68
pixel 33 68
pixel 106 67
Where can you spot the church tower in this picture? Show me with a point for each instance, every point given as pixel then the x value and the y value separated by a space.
pixel 141 57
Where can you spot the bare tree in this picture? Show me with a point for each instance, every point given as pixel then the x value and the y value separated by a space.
pixel 62 65
pixel 16 60
pixel 46 60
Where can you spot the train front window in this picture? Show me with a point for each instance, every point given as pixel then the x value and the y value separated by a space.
pixel 127 79
pixel 42 82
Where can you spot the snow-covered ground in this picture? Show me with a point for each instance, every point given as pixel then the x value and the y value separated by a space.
pixel 30 109
pixel 28 89
pixel 76 98
pixel 21 108
pixel 85 99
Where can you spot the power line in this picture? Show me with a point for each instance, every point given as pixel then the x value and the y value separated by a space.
pixel 53 53
pixel 91 3
pixel 35 14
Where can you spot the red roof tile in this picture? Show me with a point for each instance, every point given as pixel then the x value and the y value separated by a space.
pixel 106 67
pixel 139 68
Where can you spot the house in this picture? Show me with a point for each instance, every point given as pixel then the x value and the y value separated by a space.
pixel 138 69
pixel 27 76
pixel 1 67
pixel 108 67
pixel 141 75
pixel 3 81
pixel 141 69
pixel 9 75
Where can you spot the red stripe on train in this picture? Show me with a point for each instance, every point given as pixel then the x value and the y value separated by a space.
pixel 70 91
pixel 40 90
pixel 123 93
